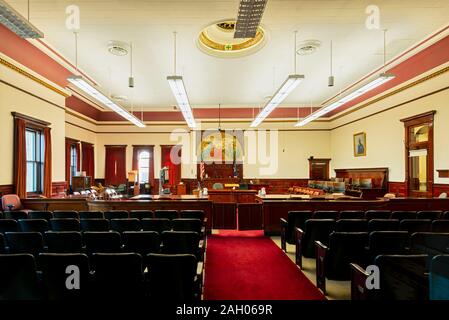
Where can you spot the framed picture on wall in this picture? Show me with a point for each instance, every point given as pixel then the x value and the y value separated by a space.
pixel 360 144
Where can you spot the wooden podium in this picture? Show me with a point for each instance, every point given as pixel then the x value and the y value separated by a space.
pixel 226 205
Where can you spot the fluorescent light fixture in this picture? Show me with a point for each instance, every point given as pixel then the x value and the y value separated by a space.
pixel 249 17
pixel 17 23
pixel 287 87
pixel 383 78
pixel 83 85
pixel 179 91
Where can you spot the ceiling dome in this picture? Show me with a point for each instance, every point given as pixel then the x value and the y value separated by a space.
pixel 217 40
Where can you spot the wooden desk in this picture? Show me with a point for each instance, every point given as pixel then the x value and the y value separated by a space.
pixel 233 196
pixel 52 204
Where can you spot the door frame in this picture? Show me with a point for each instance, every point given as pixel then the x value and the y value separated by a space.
pixel 420 119
pixel 326 161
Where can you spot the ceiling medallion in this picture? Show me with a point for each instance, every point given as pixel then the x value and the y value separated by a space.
pixel 218 40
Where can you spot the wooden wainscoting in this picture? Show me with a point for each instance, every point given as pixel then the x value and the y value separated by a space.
pixel 439 189
pixel 398 188
pixel 6 189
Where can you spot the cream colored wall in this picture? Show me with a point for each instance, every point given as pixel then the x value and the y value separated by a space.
pixel 188 170
pixel 82 130
pixel 385 131
pixel 79 129
pixel 292 149
pixel 14 100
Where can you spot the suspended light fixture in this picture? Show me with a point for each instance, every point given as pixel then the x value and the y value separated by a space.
pixel 83 85
pixel 179 91
pixel 331 80
pixel 131 77
pixel 17 23
pixel 377 82
pixel 284 91
pixel 80 83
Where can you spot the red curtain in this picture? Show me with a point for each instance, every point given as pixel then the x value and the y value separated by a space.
pixel 20 163
pixel 115 165
pixel 47 163
pixel 136 153
pixel 88 159
pixel 174 170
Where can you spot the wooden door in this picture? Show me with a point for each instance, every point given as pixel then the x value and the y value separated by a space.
pixel 319 169
pixel 419 162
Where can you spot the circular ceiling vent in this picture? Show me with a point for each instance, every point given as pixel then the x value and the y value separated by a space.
pixel 308 47
pixel 120 98
pixel 118 48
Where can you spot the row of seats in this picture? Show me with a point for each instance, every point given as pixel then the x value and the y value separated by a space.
pixel 401 247
pixel 299 218
pixel 109 215
pixel 103 276
pixel 120 225
pixel 410 225
pixel 405 277
pixel 320 230
pixel 374 214
pixel 333 259
pixel 142 242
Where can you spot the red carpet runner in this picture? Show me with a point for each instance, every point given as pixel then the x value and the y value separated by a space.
pixel 248 267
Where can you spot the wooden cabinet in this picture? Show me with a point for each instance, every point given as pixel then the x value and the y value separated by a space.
pixel 319 169
pixel 81 183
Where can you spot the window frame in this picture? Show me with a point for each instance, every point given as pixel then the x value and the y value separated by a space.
pixel 38 162
pixel 145 160
pixel 73 162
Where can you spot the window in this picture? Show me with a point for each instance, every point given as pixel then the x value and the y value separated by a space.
pixel 35 160
pixel 73 162
pixel 144 166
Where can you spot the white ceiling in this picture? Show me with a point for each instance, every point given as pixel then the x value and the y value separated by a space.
pixel 239 82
